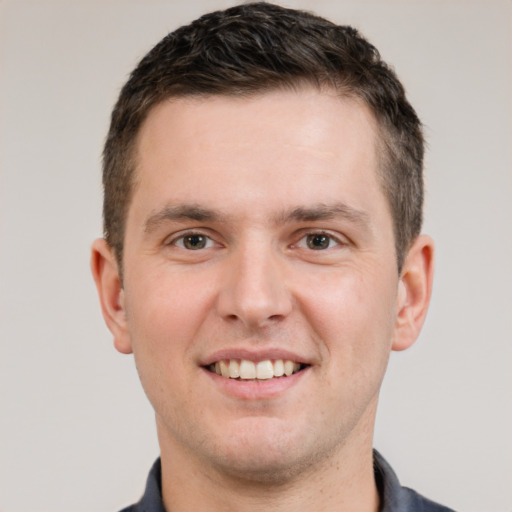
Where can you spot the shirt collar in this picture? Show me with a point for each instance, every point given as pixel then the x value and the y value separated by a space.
pixel 393 497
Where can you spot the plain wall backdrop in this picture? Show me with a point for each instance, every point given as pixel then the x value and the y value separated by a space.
pixel 76 431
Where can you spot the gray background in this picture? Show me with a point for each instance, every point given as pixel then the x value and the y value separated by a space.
pixel 76 432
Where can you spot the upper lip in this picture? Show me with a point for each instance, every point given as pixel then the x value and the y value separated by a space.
pixel 253 355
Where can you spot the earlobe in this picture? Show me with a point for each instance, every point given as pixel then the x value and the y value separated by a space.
pixel 415 288
pixel 111 294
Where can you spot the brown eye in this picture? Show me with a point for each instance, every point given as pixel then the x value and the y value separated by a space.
pixel 194 242
pixel 318 241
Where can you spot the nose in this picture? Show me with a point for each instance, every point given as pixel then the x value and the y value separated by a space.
pixel 254 291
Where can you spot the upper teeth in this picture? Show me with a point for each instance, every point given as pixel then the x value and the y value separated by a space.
pixel 247 370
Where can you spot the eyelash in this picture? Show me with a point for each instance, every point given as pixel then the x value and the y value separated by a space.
pixel 309 236
pixel 176 241
pixel 304 241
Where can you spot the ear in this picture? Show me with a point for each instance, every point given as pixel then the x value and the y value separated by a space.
pixel 110 290
pixel 415 289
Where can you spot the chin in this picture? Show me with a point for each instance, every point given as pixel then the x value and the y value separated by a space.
pixel 266 470
pixel 259 454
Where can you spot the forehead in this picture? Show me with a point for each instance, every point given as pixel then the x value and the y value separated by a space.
pixel 301 146
pixel 309 111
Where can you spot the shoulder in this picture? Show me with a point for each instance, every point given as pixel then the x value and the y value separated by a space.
pixel 394 497
pixel 151 500
pixel 419 503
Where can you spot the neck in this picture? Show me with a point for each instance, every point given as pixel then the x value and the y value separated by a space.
pixel 345 483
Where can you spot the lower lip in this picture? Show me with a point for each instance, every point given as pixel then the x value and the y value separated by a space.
pixel 256 389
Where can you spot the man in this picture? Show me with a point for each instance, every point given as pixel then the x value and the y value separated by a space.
pixel 262 257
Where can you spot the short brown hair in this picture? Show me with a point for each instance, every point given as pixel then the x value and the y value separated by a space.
pixel 253 48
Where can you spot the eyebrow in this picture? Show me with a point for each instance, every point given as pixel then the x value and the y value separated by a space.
pixel 180 212
pixel 320 211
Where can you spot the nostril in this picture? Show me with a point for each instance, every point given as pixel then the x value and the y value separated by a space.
pixel 253 296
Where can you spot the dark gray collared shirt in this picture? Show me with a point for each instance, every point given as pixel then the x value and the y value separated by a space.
pixel 393 497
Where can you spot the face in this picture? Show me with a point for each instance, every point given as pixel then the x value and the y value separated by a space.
pixel 261 297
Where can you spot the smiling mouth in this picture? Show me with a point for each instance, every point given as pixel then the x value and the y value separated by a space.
pixel 242 369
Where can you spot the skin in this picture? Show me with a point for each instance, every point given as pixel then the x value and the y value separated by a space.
pixel 258 178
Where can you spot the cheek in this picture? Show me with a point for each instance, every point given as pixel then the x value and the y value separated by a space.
pixel 165 312
pixel 163 318
pixel 353 314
